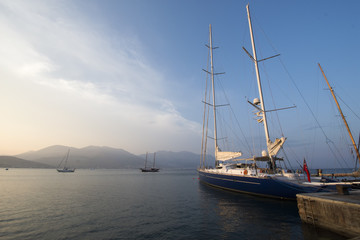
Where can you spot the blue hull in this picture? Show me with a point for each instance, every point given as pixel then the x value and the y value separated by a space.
pixel 267 187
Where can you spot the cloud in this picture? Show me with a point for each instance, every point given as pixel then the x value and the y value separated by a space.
pixel 83 83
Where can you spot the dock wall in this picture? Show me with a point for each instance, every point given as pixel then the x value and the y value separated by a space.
pixel 332 211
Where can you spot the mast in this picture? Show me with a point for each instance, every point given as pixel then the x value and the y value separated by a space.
pixel 213 91
pixel 206 116
pixel 154 160
pixel 259 86
pixel 67 156
pixel 146 160
pixel 341 113
pixel 357 157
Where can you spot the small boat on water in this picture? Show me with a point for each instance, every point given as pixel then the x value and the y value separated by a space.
pixel 248 175
pixel 65 169
pixel 152 169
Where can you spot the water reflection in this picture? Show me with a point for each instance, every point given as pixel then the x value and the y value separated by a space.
pixel 251 217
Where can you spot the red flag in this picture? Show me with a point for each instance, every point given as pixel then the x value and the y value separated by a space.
pixel 305 168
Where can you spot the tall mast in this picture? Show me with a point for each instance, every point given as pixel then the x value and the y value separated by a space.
pixel 67 156
pixel 154 160
pixel 213 91
pixel 146 160
pixel 259 85
pixel 341 113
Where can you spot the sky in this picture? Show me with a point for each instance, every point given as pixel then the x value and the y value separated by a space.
pixel 128 74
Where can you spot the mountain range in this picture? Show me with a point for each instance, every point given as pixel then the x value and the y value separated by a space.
pixel 99 157
pixel 14 162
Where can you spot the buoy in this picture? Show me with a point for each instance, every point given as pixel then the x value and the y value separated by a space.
pixel 245 172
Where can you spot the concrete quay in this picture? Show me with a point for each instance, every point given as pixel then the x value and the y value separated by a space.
pixel 336 211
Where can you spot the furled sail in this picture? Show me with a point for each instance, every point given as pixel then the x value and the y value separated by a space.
pixel 223 156
pixel 274 147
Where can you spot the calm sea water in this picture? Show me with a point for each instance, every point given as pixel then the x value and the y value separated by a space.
pixel 128 204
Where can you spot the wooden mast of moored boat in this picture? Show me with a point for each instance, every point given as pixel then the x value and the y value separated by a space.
pixel 342 115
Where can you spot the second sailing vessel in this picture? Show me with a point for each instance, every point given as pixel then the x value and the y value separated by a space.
pixel 66 169
pixel 152 169
pixel 356 173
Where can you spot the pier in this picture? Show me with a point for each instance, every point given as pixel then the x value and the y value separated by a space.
pixel 336 211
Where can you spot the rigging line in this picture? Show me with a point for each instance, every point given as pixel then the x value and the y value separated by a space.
pixel 267 38
pixel 275 50
pixel 287 159
pixel 205 134
pixel 203 131
pixel 233 122
pixel 340 125
pixel 271 44
pixel 356 160
pixel 292 154
pixel 285 166
pixel 347 106
pixel 341 113
pixel 252 91
pixel 273 47
pixel 273 100
pixel 252 133
pixel 344 136
pixel 303 98
pixel 208 115
pixel 222 123
pixel 207 131
pixel 317 90
pixel 337 150
pixel 337 154
pixel 203 128
pixel 237 121
pixel 312 113
pixel 338 122
pixel 226 134
pixel 62 161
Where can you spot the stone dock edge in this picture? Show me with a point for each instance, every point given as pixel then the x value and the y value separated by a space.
pixel 336 211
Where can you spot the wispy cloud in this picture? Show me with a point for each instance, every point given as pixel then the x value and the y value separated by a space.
pixel 53 50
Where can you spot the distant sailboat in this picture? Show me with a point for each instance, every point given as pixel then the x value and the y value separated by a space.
pixel 65 169
pixel 153 169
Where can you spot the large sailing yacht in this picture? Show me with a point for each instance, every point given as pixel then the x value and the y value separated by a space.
pixel 245 175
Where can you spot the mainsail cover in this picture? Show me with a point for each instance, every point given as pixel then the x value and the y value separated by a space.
pixel 224 156
pixel 274 147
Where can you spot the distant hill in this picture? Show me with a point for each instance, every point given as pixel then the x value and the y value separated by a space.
pixel 88 157
pixel 14 162
pixel 106 157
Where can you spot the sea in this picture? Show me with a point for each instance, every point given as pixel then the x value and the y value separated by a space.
pixel 129 204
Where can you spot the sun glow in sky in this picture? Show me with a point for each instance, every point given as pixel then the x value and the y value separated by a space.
pixel 127 74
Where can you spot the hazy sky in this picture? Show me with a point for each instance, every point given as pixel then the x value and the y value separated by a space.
pixel 127 73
